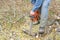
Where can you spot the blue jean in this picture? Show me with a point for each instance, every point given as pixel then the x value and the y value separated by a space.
pixel 44 13
pixel 44 10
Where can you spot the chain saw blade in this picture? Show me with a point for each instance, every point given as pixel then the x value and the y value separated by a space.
pixel 29 33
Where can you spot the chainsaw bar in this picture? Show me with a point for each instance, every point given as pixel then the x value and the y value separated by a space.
pixel 29 33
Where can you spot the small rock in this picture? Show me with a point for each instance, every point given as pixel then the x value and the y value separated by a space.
pixel 37 36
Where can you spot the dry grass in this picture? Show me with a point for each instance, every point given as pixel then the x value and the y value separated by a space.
pixel 12 20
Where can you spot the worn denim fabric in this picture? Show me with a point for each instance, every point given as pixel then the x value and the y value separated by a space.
pixel 44 13
pixel 37 4
pixel 44 10
pixel 33 1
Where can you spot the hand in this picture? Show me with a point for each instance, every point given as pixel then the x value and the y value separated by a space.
pixel 32 12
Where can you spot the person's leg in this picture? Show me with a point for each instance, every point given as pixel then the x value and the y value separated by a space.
pixel 44 15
